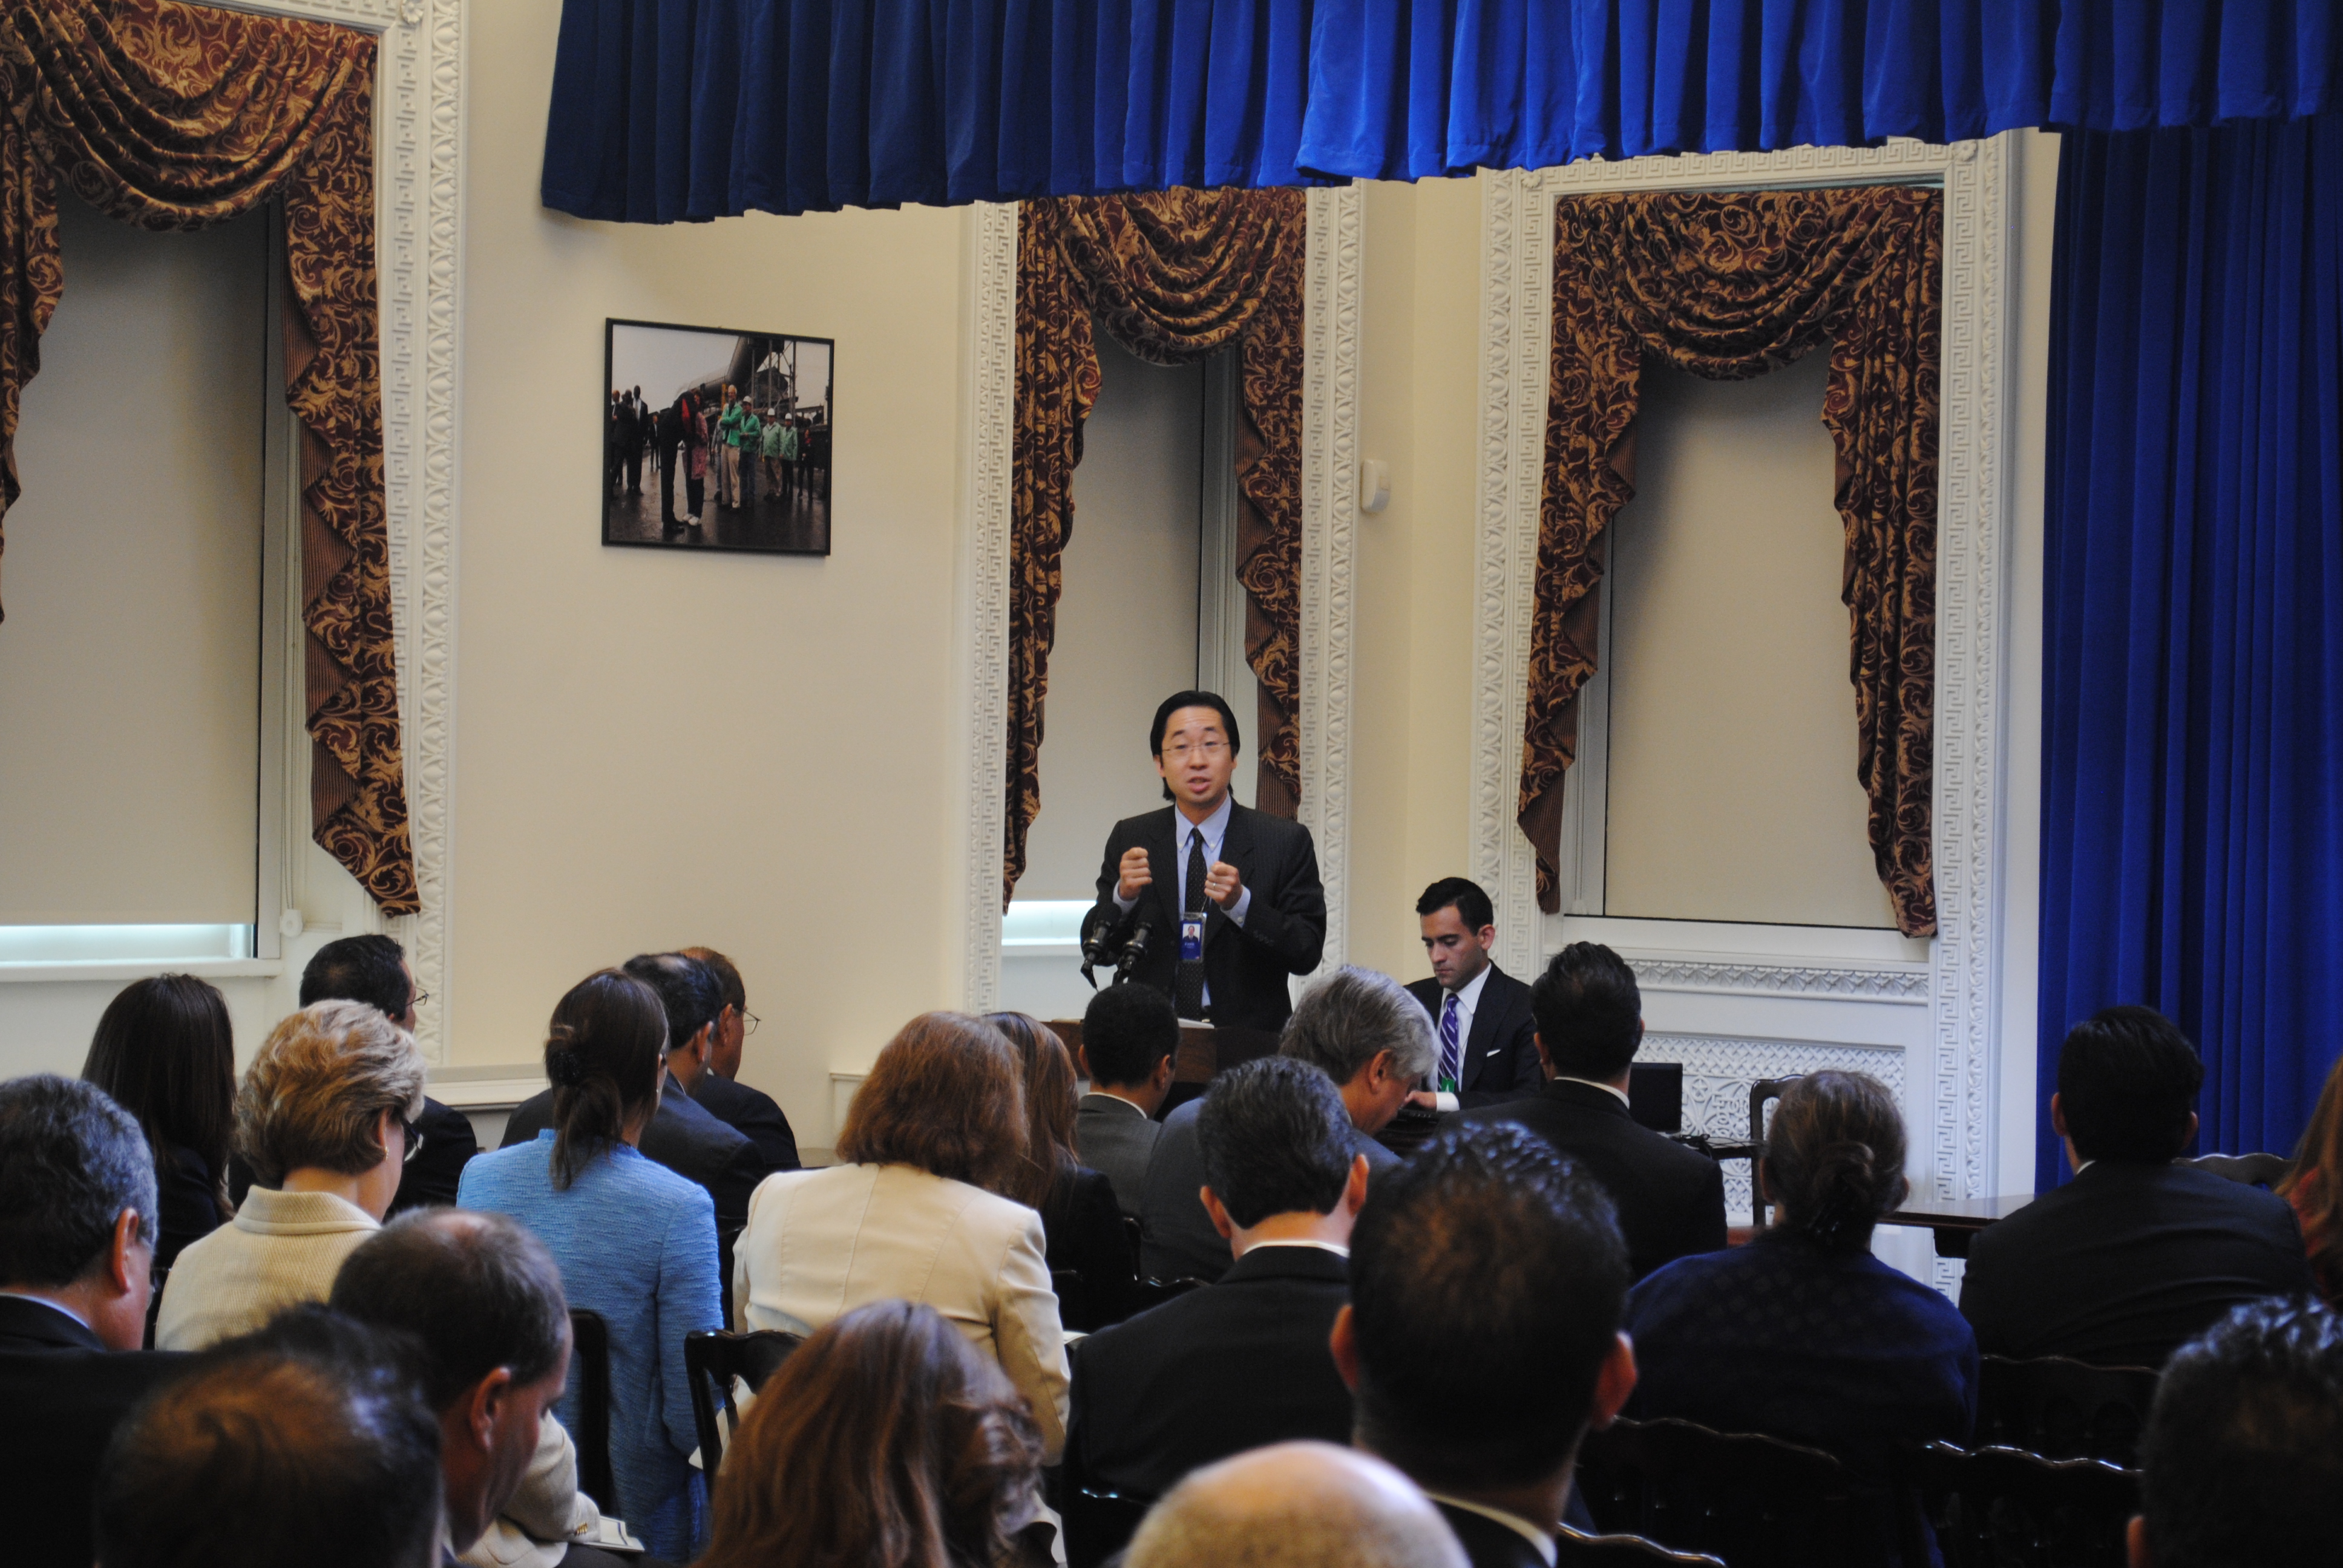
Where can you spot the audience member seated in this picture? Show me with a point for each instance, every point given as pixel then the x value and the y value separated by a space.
pixel 1480 1014
pixel 373 970
pixel 1803 1333
pixel 2137 1254
pixel 323 1119
pixel 634 1241
pixel 886 1439
pixel 934 1142
pixel 751 1112
pixel 1361 1028
pixel 2242 1460
pixel 1130 1035
pixel 2314 1186
pixel 1081 1226
pixel 164 1052
pixel 76 1238
pixel 307 1442
pixel 1590 1022
pixel 1243 1363
pixel 1488 1283
pixel 1295 1505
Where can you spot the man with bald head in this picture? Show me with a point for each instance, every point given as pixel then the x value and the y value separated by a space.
pixel 1295 1505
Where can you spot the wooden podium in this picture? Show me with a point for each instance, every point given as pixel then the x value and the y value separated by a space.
pixel 1203 1051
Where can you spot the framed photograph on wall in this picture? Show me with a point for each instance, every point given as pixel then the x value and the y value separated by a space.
pixel 714 440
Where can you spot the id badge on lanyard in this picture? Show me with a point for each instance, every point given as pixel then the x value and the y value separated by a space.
pixel 1192 937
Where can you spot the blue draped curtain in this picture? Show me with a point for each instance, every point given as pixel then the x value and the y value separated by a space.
pixel 2192 816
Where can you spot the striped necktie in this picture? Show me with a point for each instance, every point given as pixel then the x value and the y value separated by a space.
pixel 1452 1053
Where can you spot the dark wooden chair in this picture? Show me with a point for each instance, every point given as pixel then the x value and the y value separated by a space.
pixel 1099 1521
pixel 2063 1409
pixel 1075 1310
pixel 589 1373
pixel 2004 1508
pixel 1572 1550
pixel 1754 1501
pixel 1136 1234
pixel 1761 1092
pixel 711 1361
pixel 1155 1292
pixel 2252 1169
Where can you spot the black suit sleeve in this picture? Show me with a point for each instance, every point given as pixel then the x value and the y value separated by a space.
pixel 1705 1220
pixel 1087 1235
pixel 1292 921
pixel 1104 910
pixel 1513 1073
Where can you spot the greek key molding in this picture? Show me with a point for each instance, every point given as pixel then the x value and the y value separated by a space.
pixel 1329 511
pixel 1910 984
pixel 1719 1068
pixel 992 414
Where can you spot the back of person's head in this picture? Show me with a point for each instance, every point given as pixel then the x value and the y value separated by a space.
pixel 1353 1015
pixel 306 1443
pixel 1834 1158
pixel 1589 1012
pixel 605 1052
pixel 1127 1030
pixel 71 1161
pixel 2313 1182
pixel 885 1439
pixel 946 1097
pixel 367 969
pixel 1295 1505
pixel 472 1288
pixel 314 1096
pixel 728 976
pixel 1275 1140
pixel 687 989
pixel 164 1052
pixel 1048 1074
pixel 1488 1282
pixel 1471 903
pixel 2127 1082
pixel 2242 1459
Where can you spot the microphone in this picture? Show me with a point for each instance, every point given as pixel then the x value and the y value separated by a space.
pixel 1134 951
pixel 1099 943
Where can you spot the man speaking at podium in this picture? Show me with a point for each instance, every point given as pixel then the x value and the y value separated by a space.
pixel 1226 900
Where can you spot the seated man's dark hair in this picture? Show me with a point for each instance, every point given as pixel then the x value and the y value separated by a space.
pixel 1589 1011
pixel 2127 1082
pixel 71 1161
pixel 472 1287
pixel 688 989
pixel 359 969
pixel 1275 1140
pixel 1488 1282
pixel 1472 906
pixel 1126 1030
pixel 308 1442
pixel 2242 1460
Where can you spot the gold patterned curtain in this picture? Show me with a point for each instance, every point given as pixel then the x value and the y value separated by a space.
pixel 172 116
pixel 1729 286
pixel 1174 275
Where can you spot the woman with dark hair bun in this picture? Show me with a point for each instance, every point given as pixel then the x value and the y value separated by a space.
pixel 164 1052
pixel 1802 1334
pixel 635 1242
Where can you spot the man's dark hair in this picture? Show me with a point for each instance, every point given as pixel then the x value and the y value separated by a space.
pixel 1275 1139
pixel 1488 1282
pixel 306 1443
pixel 2127 1081
pixel 476 1290
pixel 1179 700
pixel 728 976
pixel 688 990
pixel 1589 1011
pixel 1471 905
pixel 71 1161
pixel 1126 1030
pixel 2242 1460
pixel 365 969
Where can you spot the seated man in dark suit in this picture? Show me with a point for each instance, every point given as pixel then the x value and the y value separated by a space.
pixel 1481 1014
pixel 2138 1254
pixel 76 1239
pixel 750 1112
pixel 1488 1284
pixel 1245 1362
pixel 1670 1199
pixel 373 970
pixel 1130 1035
pixel 2242 1460
pixel 1358 1027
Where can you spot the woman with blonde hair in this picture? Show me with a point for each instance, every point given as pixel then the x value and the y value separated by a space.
pixel 2314 1185
pixel 1082 1224
pixel 935 1144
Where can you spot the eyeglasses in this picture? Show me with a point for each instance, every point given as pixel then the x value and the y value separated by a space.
pixel 418 1000
pixel 749 1021
pixel 412 1140
pixel 1181 751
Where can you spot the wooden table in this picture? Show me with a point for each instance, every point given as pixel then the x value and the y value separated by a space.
pixel 1203 1051
pixel 1956 1221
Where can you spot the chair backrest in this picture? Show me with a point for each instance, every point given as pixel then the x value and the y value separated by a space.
pixel 2252 1169
pixel 1756 1502
pixel 1571 1549
pixel 710 1363
pixel 590 1370
pixel 1155 1292
pixel 2064 1409
pixel 1074 1295
pixel 1099 1521
pixel 2004 1508
pixel 1136 1234
pixel 1761 1094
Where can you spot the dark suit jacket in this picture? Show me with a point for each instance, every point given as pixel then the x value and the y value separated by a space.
pixel 1179 1241
pixel 1246 966
pixel 1115 1139
pixel 1486 1543
pixel 1081 1229
pixel 63 1393
pixel 1671 1199
pixel 2127 1263
pixel 448 1145
pixel 753 1113
pixel 1213 1372
pixel 187 1205
pixel 1500 1058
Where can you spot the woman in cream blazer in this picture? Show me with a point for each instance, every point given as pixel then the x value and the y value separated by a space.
pixel 936 1125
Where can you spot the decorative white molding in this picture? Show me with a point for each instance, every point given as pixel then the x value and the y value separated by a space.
pixel 992 411
pixel 1655 971
pixel 1329 511
pixel 1718 1071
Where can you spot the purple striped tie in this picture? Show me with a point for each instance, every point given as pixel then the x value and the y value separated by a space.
pixel 1451 1055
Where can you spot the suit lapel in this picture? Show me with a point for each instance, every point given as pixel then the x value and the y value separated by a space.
pixel 1236 849
pixel 1163 860
pixel 1486 1018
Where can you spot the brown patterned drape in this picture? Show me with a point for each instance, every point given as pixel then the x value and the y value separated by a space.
pixel 1174 275
pixel 172 116
pixel 1728 286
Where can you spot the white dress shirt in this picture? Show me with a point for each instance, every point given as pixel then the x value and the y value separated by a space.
pixel 1614 1090
pixel 1215 828
pixel 1467 1000
pixel 1512 1521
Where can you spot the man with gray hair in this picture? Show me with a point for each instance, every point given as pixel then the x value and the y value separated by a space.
pixel 1365 1032
pixel 77 1241
pixel 1295 1505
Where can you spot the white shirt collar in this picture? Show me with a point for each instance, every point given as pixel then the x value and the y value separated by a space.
pixel 1215 827
pixel 53 1304
pixel 1115 1100
pixel 1618 1094
pixel 1300 1241
pixel 1468 999
pixel 1512 1521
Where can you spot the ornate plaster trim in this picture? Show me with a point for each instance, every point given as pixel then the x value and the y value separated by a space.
pixel 992 410
pixel 1719 1068
pixel 1329 509
pixel 1912 984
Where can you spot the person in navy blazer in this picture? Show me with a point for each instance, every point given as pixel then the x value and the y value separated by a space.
pixel 1497 1037
pixel 1265 909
